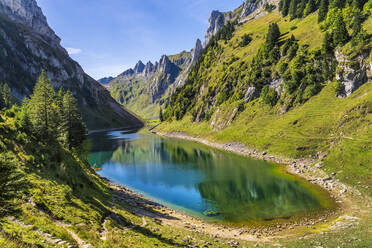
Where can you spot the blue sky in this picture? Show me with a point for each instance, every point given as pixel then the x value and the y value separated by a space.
pixel 108 36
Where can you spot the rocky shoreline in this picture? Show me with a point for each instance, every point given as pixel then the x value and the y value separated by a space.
pixel 335 219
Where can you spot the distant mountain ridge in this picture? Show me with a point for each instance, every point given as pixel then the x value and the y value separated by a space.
pixel 105 80
pixel 143 87
pixel 28 45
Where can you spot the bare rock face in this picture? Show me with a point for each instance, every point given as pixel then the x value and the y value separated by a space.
pixel 351 72
pixel 254 9
pixel 216 22
pixel 197 50
pixel 276 84
pixel 28 13
pixel 251 94
pixel 149 69
pixel 139 67
pixel 168 73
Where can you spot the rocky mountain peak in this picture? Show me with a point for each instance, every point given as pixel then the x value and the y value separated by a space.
pixel 254 9
pixel 165 65
pixel 216 22
pixel 139 67
pixel 149 69
pixel 197 50
pixel 28 13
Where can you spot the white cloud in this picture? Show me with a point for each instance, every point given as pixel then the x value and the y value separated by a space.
pixel 72 51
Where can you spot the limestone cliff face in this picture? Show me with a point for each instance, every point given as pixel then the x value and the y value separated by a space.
pixel 216 21
pixel 27 12
pixel 249 10
pixel 28 45
pixel 352 72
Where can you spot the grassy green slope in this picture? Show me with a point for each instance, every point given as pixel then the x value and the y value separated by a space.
pixel 327 124
pixel 67 204
pixel 339 127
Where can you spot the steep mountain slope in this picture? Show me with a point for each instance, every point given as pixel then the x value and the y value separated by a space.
pixel 296 89
pixel 28 45
pixel 145 87
pixel 146 90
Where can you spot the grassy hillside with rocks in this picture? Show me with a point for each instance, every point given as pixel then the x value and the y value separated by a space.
pixel 294 87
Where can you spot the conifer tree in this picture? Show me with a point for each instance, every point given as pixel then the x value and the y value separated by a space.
pixel 310 7
pixel 340 33
pixel 273 36
pixel 323 10
pixel 6 97
pixel 338 4
pixel 42 108
pixel 301 8
pixel 327 47
pixel 73 127
pixel 11 184
pixel 161 116
pixel 293 9
pixel 284 7
pixel 357 21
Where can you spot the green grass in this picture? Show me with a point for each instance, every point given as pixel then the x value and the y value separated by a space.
pixel 339 127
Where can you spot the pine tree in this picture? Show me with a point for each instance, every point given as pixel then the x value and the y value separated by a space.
pixel 11 184
pixel 327 47
pixel 340 33
pixel 310 7
pixel 323 10
pixel 42 108
pixel 301 8
pixel 6 97
pixel 293 9
pixel 359 3
pixel 284 7
pixel 73 127
pixel 161 116
pixel 338 4
pixel 357 21
pixel 273 36
pixel 2 104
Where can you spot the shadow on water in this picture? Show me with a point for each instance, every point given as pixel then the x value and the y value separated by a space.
pixel 201 180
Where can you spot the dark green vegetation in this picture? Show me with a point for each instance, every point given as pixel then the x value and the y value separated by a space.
pixel 6 97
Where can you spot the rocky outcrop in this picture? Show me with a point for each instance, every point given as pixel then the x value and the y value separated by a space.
pixel 29 14
pixel 255 8
pixel 139 67
pixel 352 72
pixel 167 72
pixel 196 52
pixel 249 10
pixel 216 21
pixel 251 94
pixel 29 45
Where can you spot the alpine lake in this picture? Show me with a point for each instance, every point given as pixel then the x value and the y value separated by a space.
pixel 204 182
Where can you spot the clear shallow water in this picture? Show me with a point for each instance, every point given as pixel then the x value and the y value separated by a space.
pixel 197 178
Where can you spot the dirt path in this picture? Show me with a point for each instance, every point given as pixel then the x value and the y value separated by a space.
pixel 48 237
pixel 81 243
